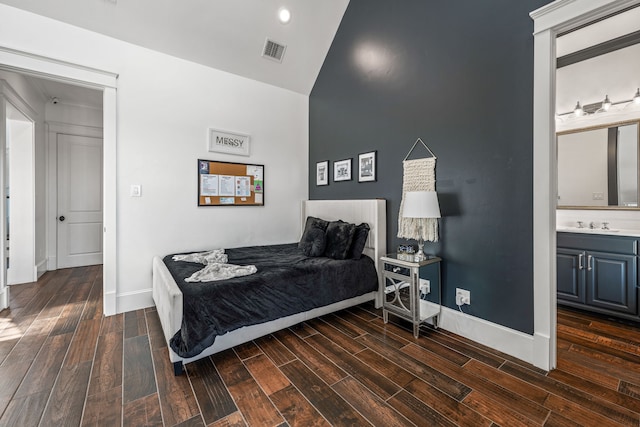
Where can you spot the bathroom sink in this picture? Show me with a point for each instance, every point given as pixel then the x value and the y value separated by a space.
pixel 587 230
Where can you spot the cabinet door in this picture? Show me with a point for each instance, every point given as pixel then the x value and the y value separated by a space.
pixel 611 281
pixel 570 277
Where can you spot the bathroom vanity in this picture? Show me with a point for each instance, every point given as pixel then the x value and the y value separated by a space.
pixel 597 270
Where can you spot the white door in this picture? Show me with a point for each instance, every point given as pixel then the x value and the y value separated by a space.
pixel 79 201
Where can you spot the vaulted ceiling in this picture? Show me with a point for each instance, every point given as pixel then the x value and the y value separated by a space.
pixel 225 34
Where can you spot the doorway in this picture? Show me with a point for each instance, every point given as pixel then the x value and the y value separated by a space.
pixel 561 15
pixel 105 82
pixel 76 202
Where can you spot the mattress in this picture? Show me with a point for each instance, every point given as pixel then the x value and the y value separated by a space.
pixel 287 282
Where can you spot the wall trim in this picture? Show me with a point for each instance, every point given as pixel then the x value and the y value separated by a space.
pixel 549 20
pixel 14 98
pixel 134 300
pixel 4 297
pixel 73 129
pixel 44 67
pixel 33 64
pixel 507 340
pixel 40 268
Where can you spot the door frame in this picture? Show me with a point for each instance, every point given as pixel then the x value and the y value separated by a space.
pixel 53 129
pixel 561 15
pixel 8 95
pixel 49 68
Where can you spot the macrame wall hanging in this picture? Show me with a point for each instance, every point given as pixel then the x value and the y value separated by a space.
pixel 418 175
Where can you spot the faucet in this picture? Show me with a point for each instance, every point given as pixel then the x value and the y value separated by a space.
pixel 592 225
pixel 605 225
pixel 580 224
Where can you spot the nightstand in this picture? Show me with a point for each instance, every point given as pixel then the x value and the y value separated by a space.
pixel 412 289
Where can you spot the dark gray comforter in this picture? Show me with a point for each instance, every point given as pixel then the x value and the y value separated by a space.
pixel 287 282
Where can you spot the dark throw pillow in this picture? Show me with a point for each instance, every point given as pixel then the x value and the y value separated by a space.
pixel 313 240
pixel 359 240
pixel 339 238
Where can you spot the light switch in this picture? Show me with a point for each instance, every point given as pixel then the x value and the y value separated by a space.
pixel 136 190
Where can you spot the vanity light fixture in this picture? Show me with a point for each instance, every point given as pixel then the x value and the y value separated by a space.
pixel 606 104
pixel 284 15
pixel 636 97
pixel 578 111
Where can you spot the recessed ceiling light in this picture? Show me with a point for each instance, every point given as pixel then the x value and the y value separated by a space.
pixel 284 15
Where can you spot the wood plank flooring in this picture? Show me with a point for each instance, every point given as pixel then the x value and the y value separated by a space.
pixel 63 364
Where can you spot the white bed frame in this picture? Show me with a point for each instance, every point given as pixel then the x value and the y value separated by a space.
pixel 168 297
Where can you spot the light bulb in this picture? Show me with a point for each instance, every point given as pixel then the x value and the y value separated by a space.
pixel 578 111
pixel 284 15
pixel 606 104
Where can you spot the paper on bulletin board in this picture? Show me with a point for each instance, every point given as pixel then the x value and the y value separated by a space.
pixel 208 185
pixel 227 185
pixel 258 198
pixel 243 186
pixel 255 171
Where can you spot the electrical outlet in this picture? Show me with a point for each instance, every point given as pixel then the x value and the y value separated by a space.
pixel 425 287
pixel 463 297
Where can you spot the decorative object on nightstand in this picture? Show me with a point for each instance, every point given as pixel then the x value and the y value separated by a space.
pixel 422 205
pixel 412 289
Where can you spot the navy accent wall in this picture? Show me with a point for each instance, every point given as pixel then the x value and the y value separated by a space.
pixel 458 74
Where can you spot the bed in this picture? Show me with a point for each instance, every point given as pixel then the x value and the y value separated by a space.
pixel 169 299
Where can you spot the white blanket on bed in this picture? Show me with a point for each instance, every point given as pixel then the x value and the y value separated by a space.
pixel 215 255
pixel 216 267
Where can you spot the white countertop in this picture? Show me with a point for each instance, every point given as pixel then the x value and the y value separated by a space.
pixel 612 232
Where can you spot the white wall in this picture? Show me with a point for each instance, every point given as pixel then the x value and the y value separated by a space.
pixel 37 103
pixel 164 108
pixel 73 114
pixel 582 168
pixel 588 82
pixel 21 207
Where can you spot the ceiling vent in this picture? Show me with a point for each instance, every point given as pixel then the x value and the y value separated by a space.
pixel 273 50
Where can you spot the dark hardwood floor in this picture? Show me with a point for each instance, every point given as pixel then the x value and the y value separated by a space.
pixel 63 364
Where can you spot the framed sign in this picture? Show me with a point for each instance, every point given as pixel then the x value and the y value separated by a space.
pixel 342 170
pixel 229 143
pixel 367 167
pixel 322 173
pixel 230 184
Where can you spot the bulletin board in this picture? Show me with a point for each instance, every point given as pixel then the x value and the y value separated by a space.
pixel 230 184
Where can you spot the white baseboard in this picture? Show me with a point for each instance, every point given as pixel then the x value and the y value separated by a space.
pixel 52 263
pixel 109 304
pixel 41 268
pixel 4 298
pixel 129 301
pixel 506 340
pixel 514 343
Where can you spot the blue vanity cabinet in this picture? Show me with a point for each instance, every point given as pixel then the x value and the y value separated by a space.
pixel 612 281
pixel 598 273
pixel 571 275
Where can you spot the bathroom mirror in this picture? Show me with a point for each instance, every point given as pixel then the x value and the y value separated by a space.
pixel 598 167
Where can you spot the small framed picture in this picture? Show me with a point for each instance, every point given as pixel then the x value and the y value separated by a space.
pixel 342 170
pixel 322 173
pixel 367 167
